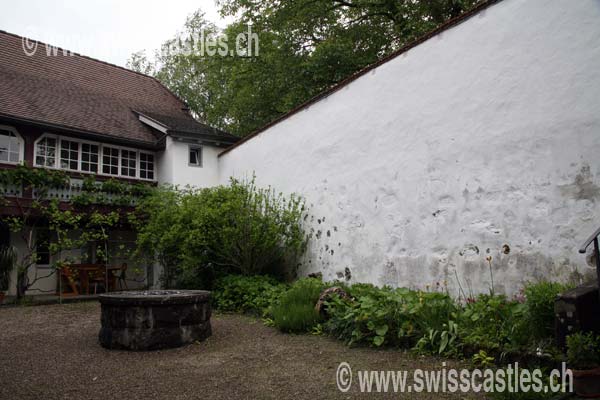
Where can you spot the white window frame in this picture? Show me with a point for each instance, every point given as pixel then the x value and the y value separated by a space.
pixel 56 152
pixel 137 166
pixel 101 147
pixel 21 145
pixel 118 148
pixel 153 165
pixel 59 155
pixel 200 153
pixel 99 162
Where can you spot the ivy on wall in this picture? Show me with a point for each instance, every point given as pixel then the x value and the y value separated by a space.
pixel 97 208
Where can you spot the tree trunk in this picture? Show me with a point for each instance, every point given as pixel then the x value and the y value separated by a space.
pixel 22 284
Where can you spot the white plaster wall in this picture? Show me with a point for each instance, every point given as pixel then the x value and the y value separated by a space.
pixel 45 286
pixel 173 165
pixel 484 136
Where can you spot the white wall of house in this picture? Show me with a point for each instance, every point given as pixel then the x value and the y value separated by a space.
pixel 482 141
pixel 42 286
pixel 174 168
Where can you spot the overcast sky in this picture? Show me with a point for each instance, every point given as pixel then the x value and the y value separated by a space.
pixel 109 30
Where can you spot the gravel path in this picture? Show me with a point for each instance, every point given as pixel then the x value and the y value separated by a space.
pixel 52 352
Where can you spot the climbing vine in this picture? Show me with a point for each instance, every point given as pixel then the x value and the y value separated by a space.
pixel 96 209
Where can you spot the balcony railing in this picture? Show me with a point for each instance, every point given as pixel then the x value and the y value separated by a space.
pixel 11 190
pixel 72 190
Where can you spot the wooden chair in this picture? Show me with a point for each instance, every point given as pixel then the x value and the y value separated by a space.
pixel 70 282
pixel 98 278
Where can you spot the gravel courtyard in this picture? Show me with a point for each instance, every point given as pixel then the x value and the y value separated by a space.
pixel 52 352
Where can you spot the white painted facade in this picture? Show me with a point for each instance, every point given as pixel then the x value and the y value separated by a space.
pixel 174 167
pixel 482 141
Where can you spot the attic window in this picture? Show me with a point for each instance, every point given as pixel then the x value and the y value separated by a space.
pixel 195 159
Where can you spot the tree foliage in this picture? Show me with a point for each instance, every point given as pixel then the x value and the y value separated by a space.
pixel 306 46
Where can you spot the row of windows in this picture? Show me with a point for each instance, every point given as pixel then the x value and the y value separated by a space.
pixel 73 155
pixel 58 152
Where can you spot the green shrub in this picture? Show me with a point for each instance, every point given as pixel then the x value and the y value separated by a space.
pixel 397 317
pixel 200 234
pixel 540 299
pixel 583 351
pixel 253 294
pixel 295 310
pixel 492 323
pixel 429 322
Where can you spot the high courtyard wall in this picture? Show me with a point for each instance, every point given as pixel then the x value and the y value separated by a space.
pixel 483 141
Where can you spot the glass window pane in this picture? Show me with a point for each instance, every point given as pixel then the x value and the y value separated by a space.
pixel 9 146
pixel 89 157
pixel 4 145
pixel 110 161
pixel 46 152
pixel 128 163
pixel 69 154
pixel 146 166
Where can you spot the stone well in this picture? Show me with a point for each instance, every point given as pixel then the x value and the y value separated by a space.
pixel 151 320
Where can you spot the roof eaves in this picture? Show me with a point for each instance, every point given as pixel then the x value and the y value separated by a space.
pixel 152 122
pixel 73 130
pixel 225 137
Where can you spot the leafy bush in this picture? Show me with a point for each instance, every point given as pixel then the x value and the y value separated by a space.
pixel 428 322
pixel 432 322
pixel 583 351
pixel 253 294
pixel 199 234
pixel 295 310
pixel 161 233
pixel 399 317
pixel 491 323
pixel 540 299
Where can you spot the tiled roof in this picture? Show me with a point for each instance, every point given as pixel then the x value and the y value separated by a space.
pixel 190 128
pixel 83 94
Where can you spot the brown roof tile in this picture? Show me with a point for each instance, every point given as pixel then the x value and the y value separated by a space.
pixel 82 93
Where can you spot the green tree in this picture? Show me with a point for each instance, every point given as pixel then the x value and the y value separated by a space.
pixel 306 46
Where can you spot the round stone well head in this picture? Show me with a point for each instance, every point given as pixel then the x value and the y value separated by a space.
pixel 154 319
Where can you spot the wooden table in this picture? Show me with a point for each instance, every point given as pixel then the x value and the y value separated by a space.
pixel 82 272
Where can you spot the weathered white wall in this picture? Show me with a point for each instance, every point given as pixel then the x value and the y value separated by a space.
pixel 173 165
pixel 484 136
